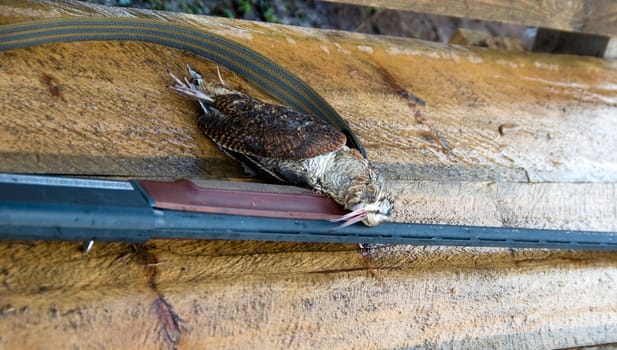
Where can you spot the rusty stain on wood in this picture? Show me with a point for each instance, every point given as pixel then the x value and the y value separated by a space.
pixel 169 320
pixel 167 317
pixel 390 80
pixel 52 86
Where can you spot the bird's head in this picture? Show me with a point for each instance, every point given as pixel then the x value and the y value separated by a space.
pixel 362 192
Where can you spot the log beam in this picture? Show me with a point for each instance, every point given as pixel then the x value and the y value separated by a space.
pixel 104 109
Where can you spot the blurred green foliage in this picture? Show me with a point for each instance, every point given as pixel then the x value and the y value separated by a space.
pixel 262 10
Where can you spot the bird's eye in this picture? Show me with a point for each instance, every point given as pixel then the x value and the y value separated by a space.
pixel 388 212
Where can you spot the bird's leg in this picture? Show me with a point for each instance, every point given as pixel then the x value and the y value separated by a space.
pixel 190 89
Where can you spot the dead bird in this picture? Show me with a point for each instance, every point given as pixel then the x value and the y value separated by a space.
pixel 291 147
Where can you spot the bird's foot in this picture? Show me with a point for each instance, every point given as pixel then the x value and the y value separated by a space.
pixel 190 88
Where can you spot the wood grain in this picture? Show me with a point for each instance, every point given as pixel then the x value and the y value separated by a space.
pixel 472 37
pixel 118 114
pixel 585 16
pixel 571 206
pixel 504 139
pixel 234 295
pixel 490 116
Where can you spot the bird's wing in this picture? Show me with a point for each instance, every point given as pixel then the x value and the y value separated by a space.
pixel 246 125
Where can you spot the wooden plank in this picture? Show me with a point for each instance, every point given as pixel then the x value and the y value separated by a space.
pixel 481 38
pixel 585 16
pixel 571 206
pixel 234 295
pixel 491 115
pixel 484 120
pixel 506 139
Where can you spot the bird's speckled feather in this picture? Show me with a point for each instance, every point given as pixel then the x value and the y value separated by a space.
pixel 246 125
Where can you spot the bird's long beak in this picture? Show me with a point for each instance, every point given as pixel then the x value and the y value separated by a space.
pixel 351 218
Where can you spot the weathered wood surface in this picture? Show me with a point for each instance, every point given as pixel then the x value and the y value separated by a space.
pixel 506 139
pixel 239 295
pixel 585 16
pixel 481 38
pixel 104 108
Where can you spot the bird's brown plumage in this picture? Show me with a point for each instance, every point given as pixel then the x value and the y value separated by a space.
pixel 246 125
